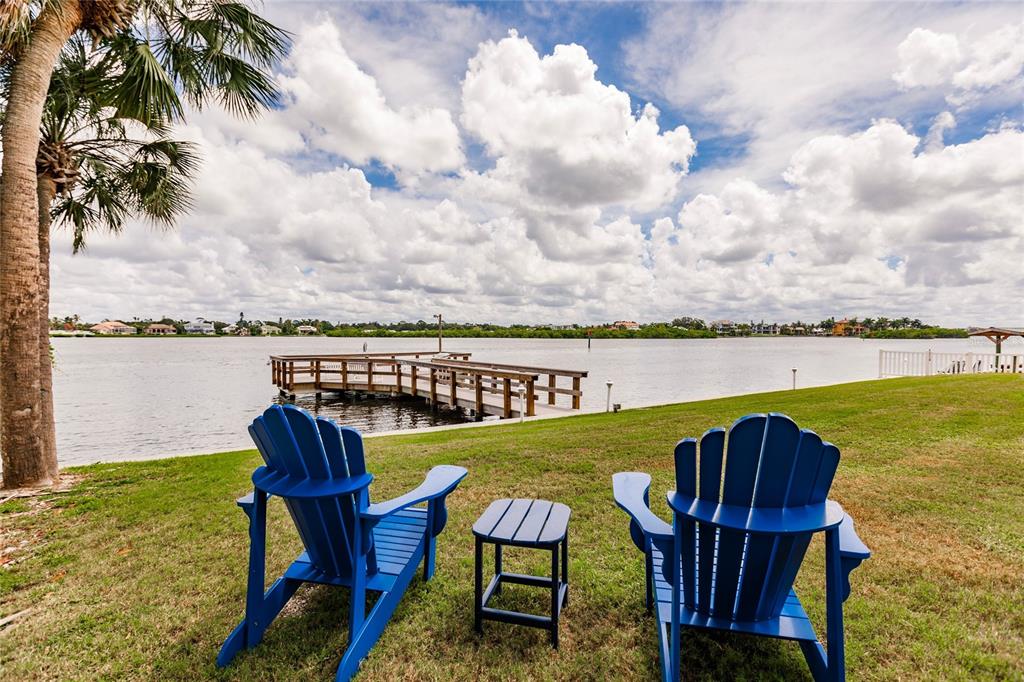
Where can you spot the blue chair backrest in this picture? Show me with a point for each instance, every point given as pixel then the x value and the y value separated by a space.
pixel 769 462
pixel 293 443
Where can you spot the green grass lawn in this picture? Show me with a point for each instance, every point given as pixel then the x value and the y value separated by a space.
pixel 139 571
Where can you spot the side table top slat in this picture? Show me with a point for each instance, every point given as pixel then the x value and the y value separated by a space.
pixel 510 522
pixel 523 522
pixel 557 525
pixel 534 522
pixel 491 517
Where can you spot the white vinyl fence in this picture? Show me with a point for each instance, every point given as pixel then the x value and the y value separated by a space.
pixel 900 363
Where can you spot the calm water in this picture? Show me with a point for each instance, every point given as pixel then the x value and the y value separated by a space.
pixel 142 398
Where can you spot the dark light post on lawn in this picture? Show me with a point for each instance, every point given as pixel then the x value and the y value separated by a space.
pixel 438 316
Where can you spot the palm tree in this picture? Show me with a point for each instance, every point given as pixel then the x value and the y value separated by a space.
pixel 148 60
pixel 94 171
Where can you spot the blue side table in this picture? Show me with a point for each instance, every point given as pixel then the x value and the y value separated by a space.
pixel 523 523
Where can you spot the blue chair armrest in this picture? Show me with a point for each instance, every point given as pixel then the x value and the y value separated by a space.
pixel 850 545
pixel 273 483
pixel 631 490
pixel 768 520
pixel 851 551
pixel 439 481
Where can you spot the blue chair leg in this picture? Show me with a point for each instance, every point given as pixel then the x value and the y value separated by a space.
pixel 260 608
pixel 834 587
pixel 649 578
pixel 363 638
pixel 673 559
pixel 430 540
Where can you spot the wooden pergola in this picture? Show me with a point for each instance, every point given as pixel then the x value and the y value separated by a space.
pixel 997 335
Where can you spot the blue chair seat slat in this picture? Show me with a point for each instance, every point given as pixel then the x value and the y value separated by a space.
pixel 404 538
pixel 416 518
pixel 394 555
pixel 382 541
pixel 403 528
pixel 394 568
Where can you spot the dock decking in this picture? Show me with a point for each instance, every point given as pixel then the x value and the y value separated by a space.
pixel 451 379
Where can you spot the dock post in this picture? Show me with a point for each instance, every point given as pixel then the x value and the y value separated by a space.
pixel 576 393
pixel 551 393
pixel 369 376
pixel 398 377
pixel 344 375
pixel 453 381
pixel 507 398
pixel 433 388
pixel 413 381
pixel 478 389
pixel 531 398
pixel 291 375
pixel 316 377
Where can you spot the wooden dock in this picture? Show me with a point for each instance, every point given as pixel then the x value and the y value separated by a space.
pixel 441 379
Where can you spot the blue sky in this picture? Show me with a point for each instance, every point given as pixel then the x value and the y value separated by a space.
pixel 571 162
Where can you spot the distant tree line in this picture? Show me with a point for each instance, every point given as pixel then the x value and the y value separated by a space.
pixel 678 328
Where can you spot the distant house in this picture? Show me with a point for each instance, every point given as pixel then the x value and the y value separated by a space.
pixel 845 327
pixel 200 326
pixel 818 331
pixel 723 327
pixel 766 329
pixel 269 330
pixel 625 324
pixel 115 327
pixel 306 329
pixel 798 331
pixel 158 329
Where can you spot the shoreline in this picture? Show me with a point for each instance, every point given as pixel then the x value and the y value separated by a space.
pixel 502 422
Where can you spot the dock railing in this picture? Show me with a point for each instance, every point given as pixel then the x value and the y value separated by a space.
pixel 899 363
pixel 421 375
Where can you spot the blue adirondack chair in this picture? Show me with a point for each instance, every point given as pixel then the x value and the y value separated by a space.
pixel 319 471
pixel 729 560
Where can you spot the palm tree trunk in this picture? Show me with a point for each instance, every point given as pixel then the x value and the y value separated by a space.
pixel 46 191
pixel 22 440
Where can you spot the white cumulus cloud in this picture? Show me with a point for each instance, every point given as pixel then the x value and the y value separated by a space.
pixel 562 136
pixel 340 108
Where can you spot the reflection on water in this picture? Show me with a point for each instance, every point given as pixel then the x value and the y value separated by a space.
pixel 141 398
pixel 377 413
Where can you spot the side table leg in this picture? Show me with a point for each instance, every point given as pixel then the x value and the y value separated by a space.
pixel 565 566
pixel 497 566
pixel 554 596
pixel 478 592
